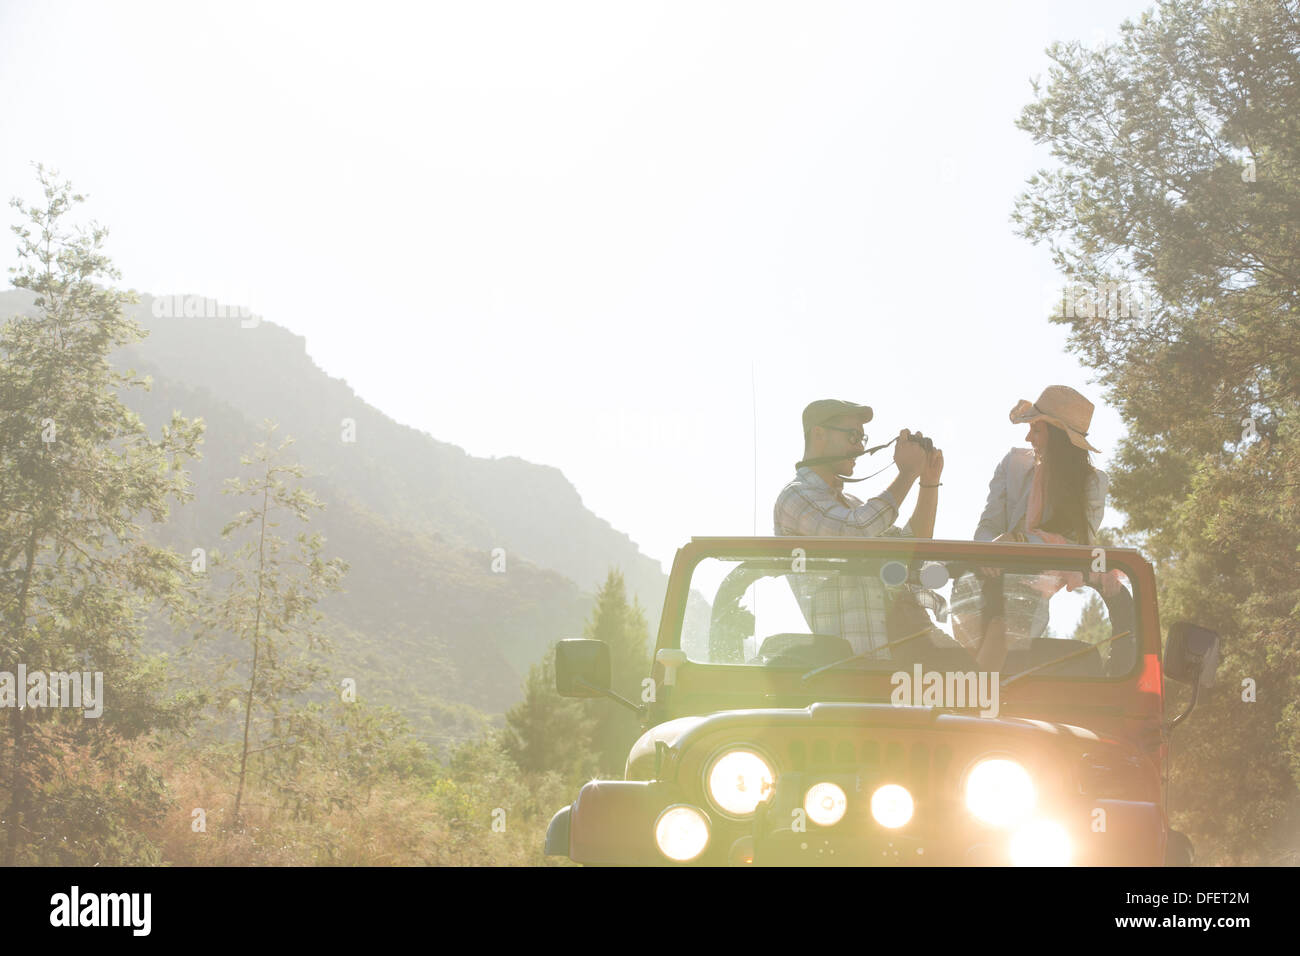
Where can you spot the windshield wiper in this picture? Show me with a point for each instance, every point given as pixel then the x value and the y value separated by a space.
pixel 875 650
pixel 1061 660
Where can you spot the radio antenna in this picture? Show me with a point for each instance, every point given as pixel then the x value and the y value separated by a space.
pixel 753 395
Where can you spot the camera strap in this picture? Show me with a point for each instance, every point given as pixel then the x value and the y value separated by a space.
pixel 811 462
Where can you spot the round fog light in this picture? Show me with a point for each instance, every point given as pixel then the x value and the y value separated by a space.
pixel 825 804
pixel 682 833
pixel 892 806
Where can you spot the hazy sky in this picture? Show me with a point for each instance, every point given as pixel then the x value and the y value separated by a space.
pixel 577 233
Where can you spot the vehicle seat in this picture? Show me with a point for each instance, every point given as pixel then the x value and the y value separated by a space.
pixel 802 650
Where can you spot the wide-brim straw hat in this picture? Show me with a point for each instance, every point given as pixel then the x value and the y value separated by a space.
pixel 1061 406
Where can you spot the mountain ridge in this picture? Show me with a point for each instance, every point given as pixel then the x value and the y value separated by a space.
pixel 423 615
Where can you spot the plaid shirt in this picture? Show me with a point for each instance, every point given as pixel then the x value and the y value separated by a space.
pixel 809 507
pixel 851 606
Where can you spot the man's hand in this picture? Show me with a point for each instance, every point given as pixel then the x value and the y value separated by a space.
pixel 908 456
pixel 915 461
pixel 932 468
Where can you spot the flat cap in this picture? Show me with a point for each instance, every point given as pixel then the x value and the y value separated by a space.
pixel 823 410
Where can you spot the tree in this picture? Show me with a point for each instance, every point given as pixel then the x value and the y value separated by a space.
pixel 1179 150
pixel 623 629
pixel 545 731
pixel 269 604
pixel 78 468
pixel 1093 626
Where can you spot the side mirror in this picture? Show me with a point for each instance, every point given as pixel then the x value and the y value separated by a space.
pixel 1191 654
pixel 582 668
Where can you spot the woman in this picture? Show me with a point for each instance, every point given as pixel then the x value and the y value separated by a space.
pixel 1050 495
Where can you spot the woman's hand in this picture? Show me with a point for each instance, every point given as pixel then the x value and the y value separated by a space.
pixel 991 572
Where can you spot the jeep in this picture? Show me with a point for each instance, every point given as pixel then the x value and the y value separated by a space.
pixel 893 701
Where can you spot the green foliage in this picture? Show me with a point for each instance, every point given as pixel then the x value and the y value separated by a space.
pixel 316 779
pixel 492 812
pixel 105 820
pixel 1093 624
pixel 1179 152
pixel 77 468
pixel 578 738
pixel 316 757
pixel 478 809
pixel 545 731
pixel 310 742
pixel 269 604
pixel 623 628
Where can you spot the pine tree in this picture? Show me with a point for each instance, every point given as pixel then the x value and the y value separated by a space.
pixel 545 731
pixel 1094 625
pixel 78 469
pixel 623 628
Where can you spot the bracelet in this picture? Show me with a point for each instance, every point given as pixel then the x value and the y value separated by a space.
pixel 935 485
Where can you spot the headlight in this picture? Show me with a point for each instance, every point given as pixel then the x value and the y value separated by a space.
pixel 825 804
pixel 1041 843
pixel 891 805
pixel 999 791
pixel 682 833
pixel 739 781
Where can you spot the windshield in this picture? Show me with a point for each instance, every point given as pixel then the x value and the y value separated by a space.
pixel 878 612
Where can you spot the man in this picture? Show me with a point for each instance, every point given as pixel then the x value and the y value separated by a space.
pixel 815 504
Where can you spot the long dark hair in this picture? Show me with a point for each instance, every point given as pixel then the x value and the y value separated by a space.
pixel 1068 471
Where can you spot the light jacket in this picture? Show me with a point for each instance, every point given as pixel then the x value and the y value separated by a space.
pixel 1009 498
